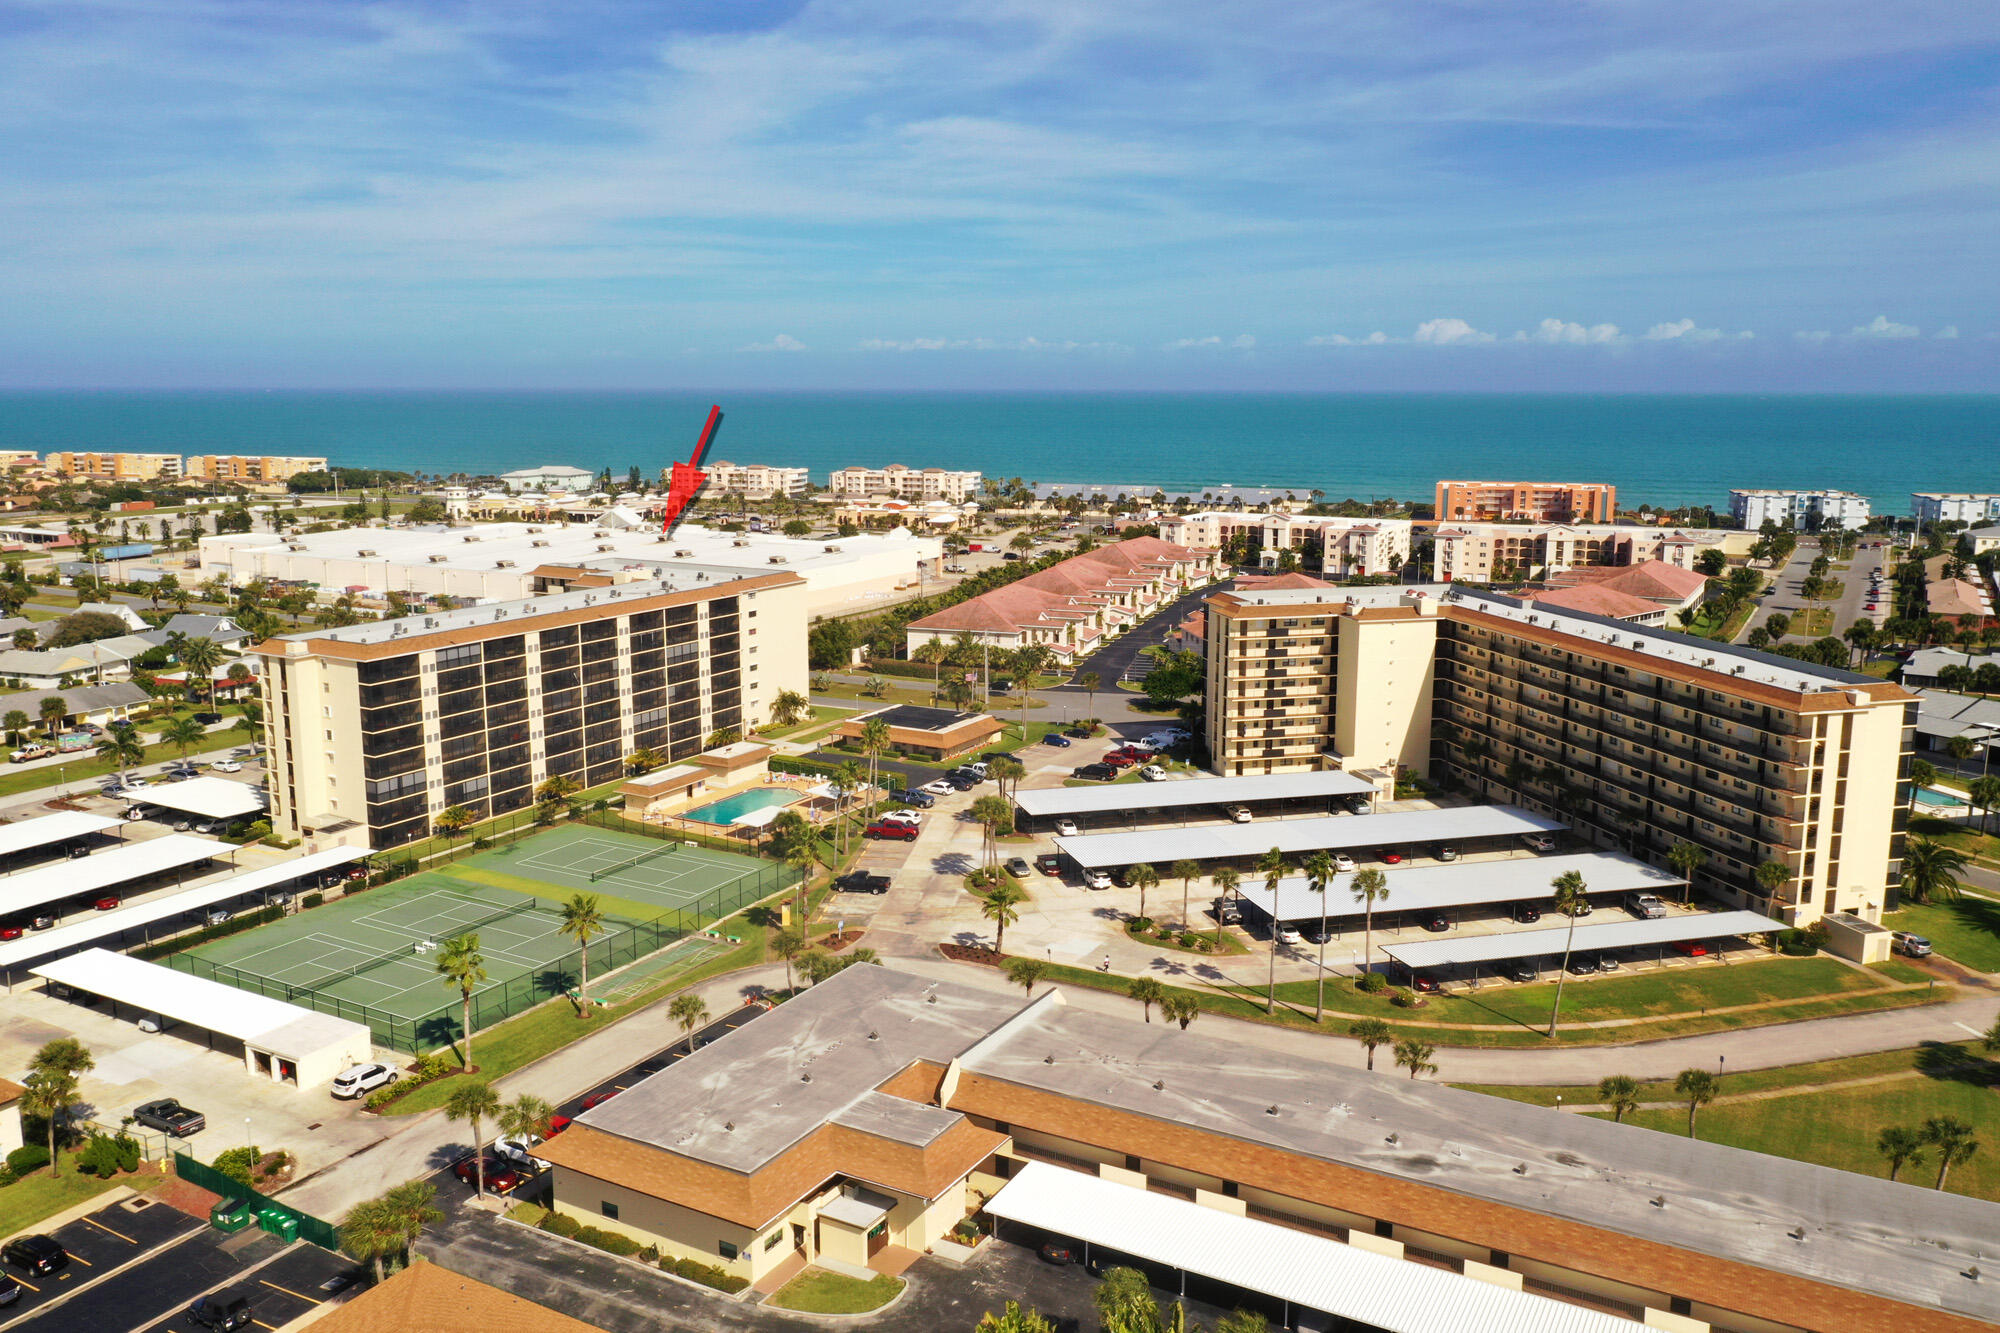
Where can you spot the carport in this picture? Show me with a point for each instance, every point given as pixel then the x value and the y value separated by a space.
pixel 203 798
pixel 32 835
pixel 1296 837
pixel 1179 799
pixel 1461 884
pixel 117 928
pixel 281 1042
pixel 1659 932
pixel 1299 1272
pixel 113 869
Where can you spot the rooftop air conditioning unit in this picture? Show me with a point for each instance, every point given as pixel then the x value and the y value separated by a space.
pixel 470 537
pixel 603 547
pixel 503 564
pixel 683 554
pixel 832 550
pixel 430 622
pixel 436 559
pixel 1737 671
pixel 364 554
pixel 541 542
pixel 741 541
pixel 778 559
pixel 500 614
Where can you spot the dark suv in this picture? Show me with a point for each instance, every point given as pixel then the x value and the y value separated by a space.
pixel 35 1254
pixel 860 881
pixel 922 800
pixel 222 1313
pixel 1095 772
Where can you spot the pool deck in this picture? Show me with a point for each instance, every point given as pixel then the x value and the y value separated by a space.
pixel 801 785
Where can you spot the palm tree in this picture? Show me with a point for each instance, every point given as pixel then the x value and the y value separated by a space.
pixel 1142 877
pixel 527 1118
pixel 788 707
pixel 1005 769
pixel 50 1087
pixel 1686 858
pixel 1025 972
pixel 1922 774
pixel 474 1102
pixel 181 732
pixel 121 745
pixel 689 1011
pixel 1902 1146
pixel 1932 869
pixel 1090 680
pixel 1771 877
pixel 1148 992
pixel 1187 872
pixel 1985 793
pixel 1960 748
pixel 52 713
pixel 992 814
pixel 1953 1141
pixel 369 1231
pixel 1620 1092
pixel 1698 1087
pixel 453 820
pixel 932 653
pixel 788 944
pixel 1225 879
pixel 1319 871
pixel 1570 900
pixel 409 1206
pixel 16 722
pixel 1415 1056
pixel 463 968
pixel 199 657
pixel 848 778
pixel 582 917
pixel 1271 865
pixel 873 740
pixel 1371 1032
pixel 1369 887
pixel 999 906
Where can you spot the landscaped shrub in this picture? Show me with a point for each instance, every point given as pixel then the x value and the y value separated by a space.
pixel 312 900
pixel 706 1274
pixel 1139 924
pixel 1797 943
pixel 237 1163
pixel 242 921
pixel 24 1160
pixel 105 1156
pixel 1403 999
pixel 561 1224
pixel 1190 940
pixel 1373 982
pixel 611 1242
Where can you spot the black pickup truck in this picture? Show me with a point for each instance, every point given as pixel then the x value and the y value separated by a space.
pixel 170 1117
pixel 860 881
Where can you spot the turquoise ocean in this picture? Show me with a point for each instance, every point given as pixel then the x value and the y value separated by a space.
pixel 1667 450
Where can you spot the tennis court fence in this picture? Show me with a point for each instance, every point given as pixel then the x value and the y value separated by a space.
pixel 626 941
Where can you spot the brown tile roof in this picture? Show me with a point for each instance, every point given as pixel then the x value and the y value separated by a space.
pixel 1655 579
pixel 10 1091
pixel 1596 600
pixel 429 1298
pixel 1954 597
pixel 1105 573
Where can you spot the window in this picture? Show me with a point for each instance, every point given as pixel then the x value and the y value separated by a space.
pixel 771 1241
pixel 728 1250
pixel 608 1208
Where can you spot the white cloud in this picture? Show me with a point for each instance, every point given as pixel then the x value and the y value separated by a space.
pixel 1375 339
pixel 784 342
pixel 1949 331
pixel 1560 331
pixel 1685 331
pixel 986 345
pixel 1242 342
pixel 1883 327
pixel 1812 335
pixel 1449 332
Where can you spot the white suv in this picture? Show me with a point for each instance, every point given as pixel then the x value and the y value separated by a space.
pixel 910 817
pixel 1238 813
pixel 358 1079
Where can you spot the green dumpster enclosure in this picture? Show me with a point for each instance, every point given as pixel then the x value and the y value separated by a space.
pixel 229 1215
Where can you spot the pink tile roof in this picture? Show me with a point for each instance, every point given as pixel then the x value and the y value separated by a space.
pixel 1955 597
pixel 1654 579
pixel 1597 600
pixel 1100 578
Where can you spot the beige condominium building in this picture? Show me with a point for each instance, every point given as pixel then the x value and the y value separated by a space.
pixel 1346 547
pixel 756 481
pixel 1502 552
pixel 1639 738
pixel 250 470
pixel 1538 501
pixel 386 724
pixel 905 483
pixel 116 467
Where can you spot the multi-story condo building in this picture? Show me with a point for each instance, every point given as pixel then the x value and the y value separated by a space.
pixel 1500 552
pixel 116 467
pixel 1800 509
pixel 1346 547
pixel 1535 501
pixel 387 724
pixel 756 481
pixel 248 470
pixel 905 483
pixel 1640 738
pixel 1954 507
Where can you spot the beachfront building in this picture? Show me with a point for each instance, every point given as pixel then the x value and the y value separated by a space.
pixel 1953 507
pixel 386 724
pixel 505 561
pixel 905 483
pixel 1335 548
pixel 1075 606
pixel 548 477
pixel 756 481
pixel 1508 553
pixel 1639 738
pixel 858 1122
pixel 1529 501
pixel 246 470
pixel 1805 510
pixel 117 467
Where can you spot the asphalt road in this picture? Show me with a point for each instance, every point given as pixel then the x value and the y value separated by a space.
pixel 1785 594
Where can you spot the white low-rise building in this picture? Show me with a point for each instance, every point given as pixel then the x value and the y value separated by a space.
pixel 1801 509
pixel 548 477
pixel 1954 507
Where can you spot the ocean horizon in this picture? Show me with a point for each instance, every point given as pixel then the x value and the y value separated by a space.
pixel 1662 449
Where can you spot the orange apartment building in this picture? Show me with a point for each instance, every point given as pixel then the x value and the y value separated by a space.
pixel 1535 501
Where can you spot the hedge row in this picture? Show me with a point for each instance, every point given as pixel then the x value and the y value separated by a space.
pixel 613 1242
pixel 242 921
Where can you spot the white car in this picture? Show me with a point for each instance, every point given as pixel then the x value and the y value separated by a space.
pixel 358 1079
pixel 1541 842
pixel 226 766
pixel 1066 828
pixel 1239 813
pixel 1343 864
pixel 1166 740
pixel 1096 879
pixel 1290 935
pixel 939 788
pixel 517 1152
pixel 1153 773
pixel 910 817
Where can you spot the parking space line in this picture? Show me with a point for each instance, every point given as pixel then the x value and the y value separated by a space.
pixel 261 1324
pixel 101 1227
pixel 29 1285
pixel 288 1291
pixel 80 1259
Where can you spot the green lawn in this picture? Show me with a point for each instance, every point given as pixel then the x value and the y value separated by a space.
pixel 1811 624
pixel 1966 931
pixel 1931 1056
pixel 1971 841
pixel 28 1201
pixel 1676 990
pixel 822 715
pixel 818 1291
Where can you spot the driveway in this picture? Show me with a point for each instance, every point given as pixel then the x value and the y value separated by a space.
pixel 1785 594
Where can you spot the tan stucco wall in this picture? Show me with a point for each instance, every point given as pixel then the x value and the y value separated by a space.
pixel 1382 686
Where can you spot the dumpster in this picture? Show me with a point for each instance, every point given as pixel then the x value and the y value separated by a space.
pixel 229 1215
pixel 279 1222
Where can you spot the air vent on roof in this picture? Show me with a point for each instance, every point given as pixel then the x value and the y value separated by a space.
pixel 533 531
pixel 435 559
pixel 541 542
pixel 470 537
pixel 832 550
pixel 780 560
pixel 503 564
pixel 682 553
pixel 741 541
pixel 604 546
pixel 430 622
pixel 364 554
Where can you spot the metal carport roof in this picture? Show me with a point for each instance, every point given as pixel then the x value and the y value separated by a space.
pixel 1589 939
pixel 1308 1271
pixel 210 798
pixel 99 925
pixel 1294 836
pixel 1045 801
pixel 1463 884
pixel 44 830
pixel 105 870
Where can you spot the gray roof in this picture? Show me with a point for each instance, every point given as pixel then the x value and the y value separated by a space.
pixel 1947 714
pixel 742 1101
pixel 1296 836
pixel 220 629
pixel 490 614
pixel 114 651
pixel 1895 1240
pixel 1660 930
pixel 1463 884
pixel 1927 662
pixel 78 698
pixel 1190 791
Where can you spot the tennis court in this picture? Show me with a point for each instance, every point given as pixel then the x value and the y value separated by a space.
pixel 686 884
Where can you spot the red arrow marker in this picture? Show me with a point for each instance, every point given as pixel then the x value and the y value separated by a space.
pixel 684 480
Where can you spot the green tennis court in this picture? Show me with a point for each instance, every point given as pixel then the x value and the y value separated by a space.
pixel 687 885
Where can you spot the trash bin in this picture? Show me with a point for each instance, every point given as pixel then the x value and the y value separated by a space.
pixel 229 1215
pixel 280 1223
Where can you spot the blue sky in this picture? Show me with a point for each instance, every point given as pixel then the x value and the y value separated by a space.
pixel 1403 194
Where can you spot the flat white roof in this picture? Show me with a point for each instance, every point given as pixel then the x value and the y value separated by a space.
pixel 1294 836
pixel 1610 935
pixel 105 870
pixel 1309 1271
pixel 43 830
pixel 1190 791
pixel 211 798
pixel 1463 884
pixel 98 925
pixel 248 1017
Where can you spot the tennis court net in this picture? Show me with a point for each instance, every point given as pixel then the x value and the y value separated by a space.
pixel 356 969
pixel 664 849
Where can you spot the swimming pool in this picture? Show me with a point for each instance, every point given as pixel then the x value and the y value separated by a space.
pixel 731 808
pixel 1941 800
